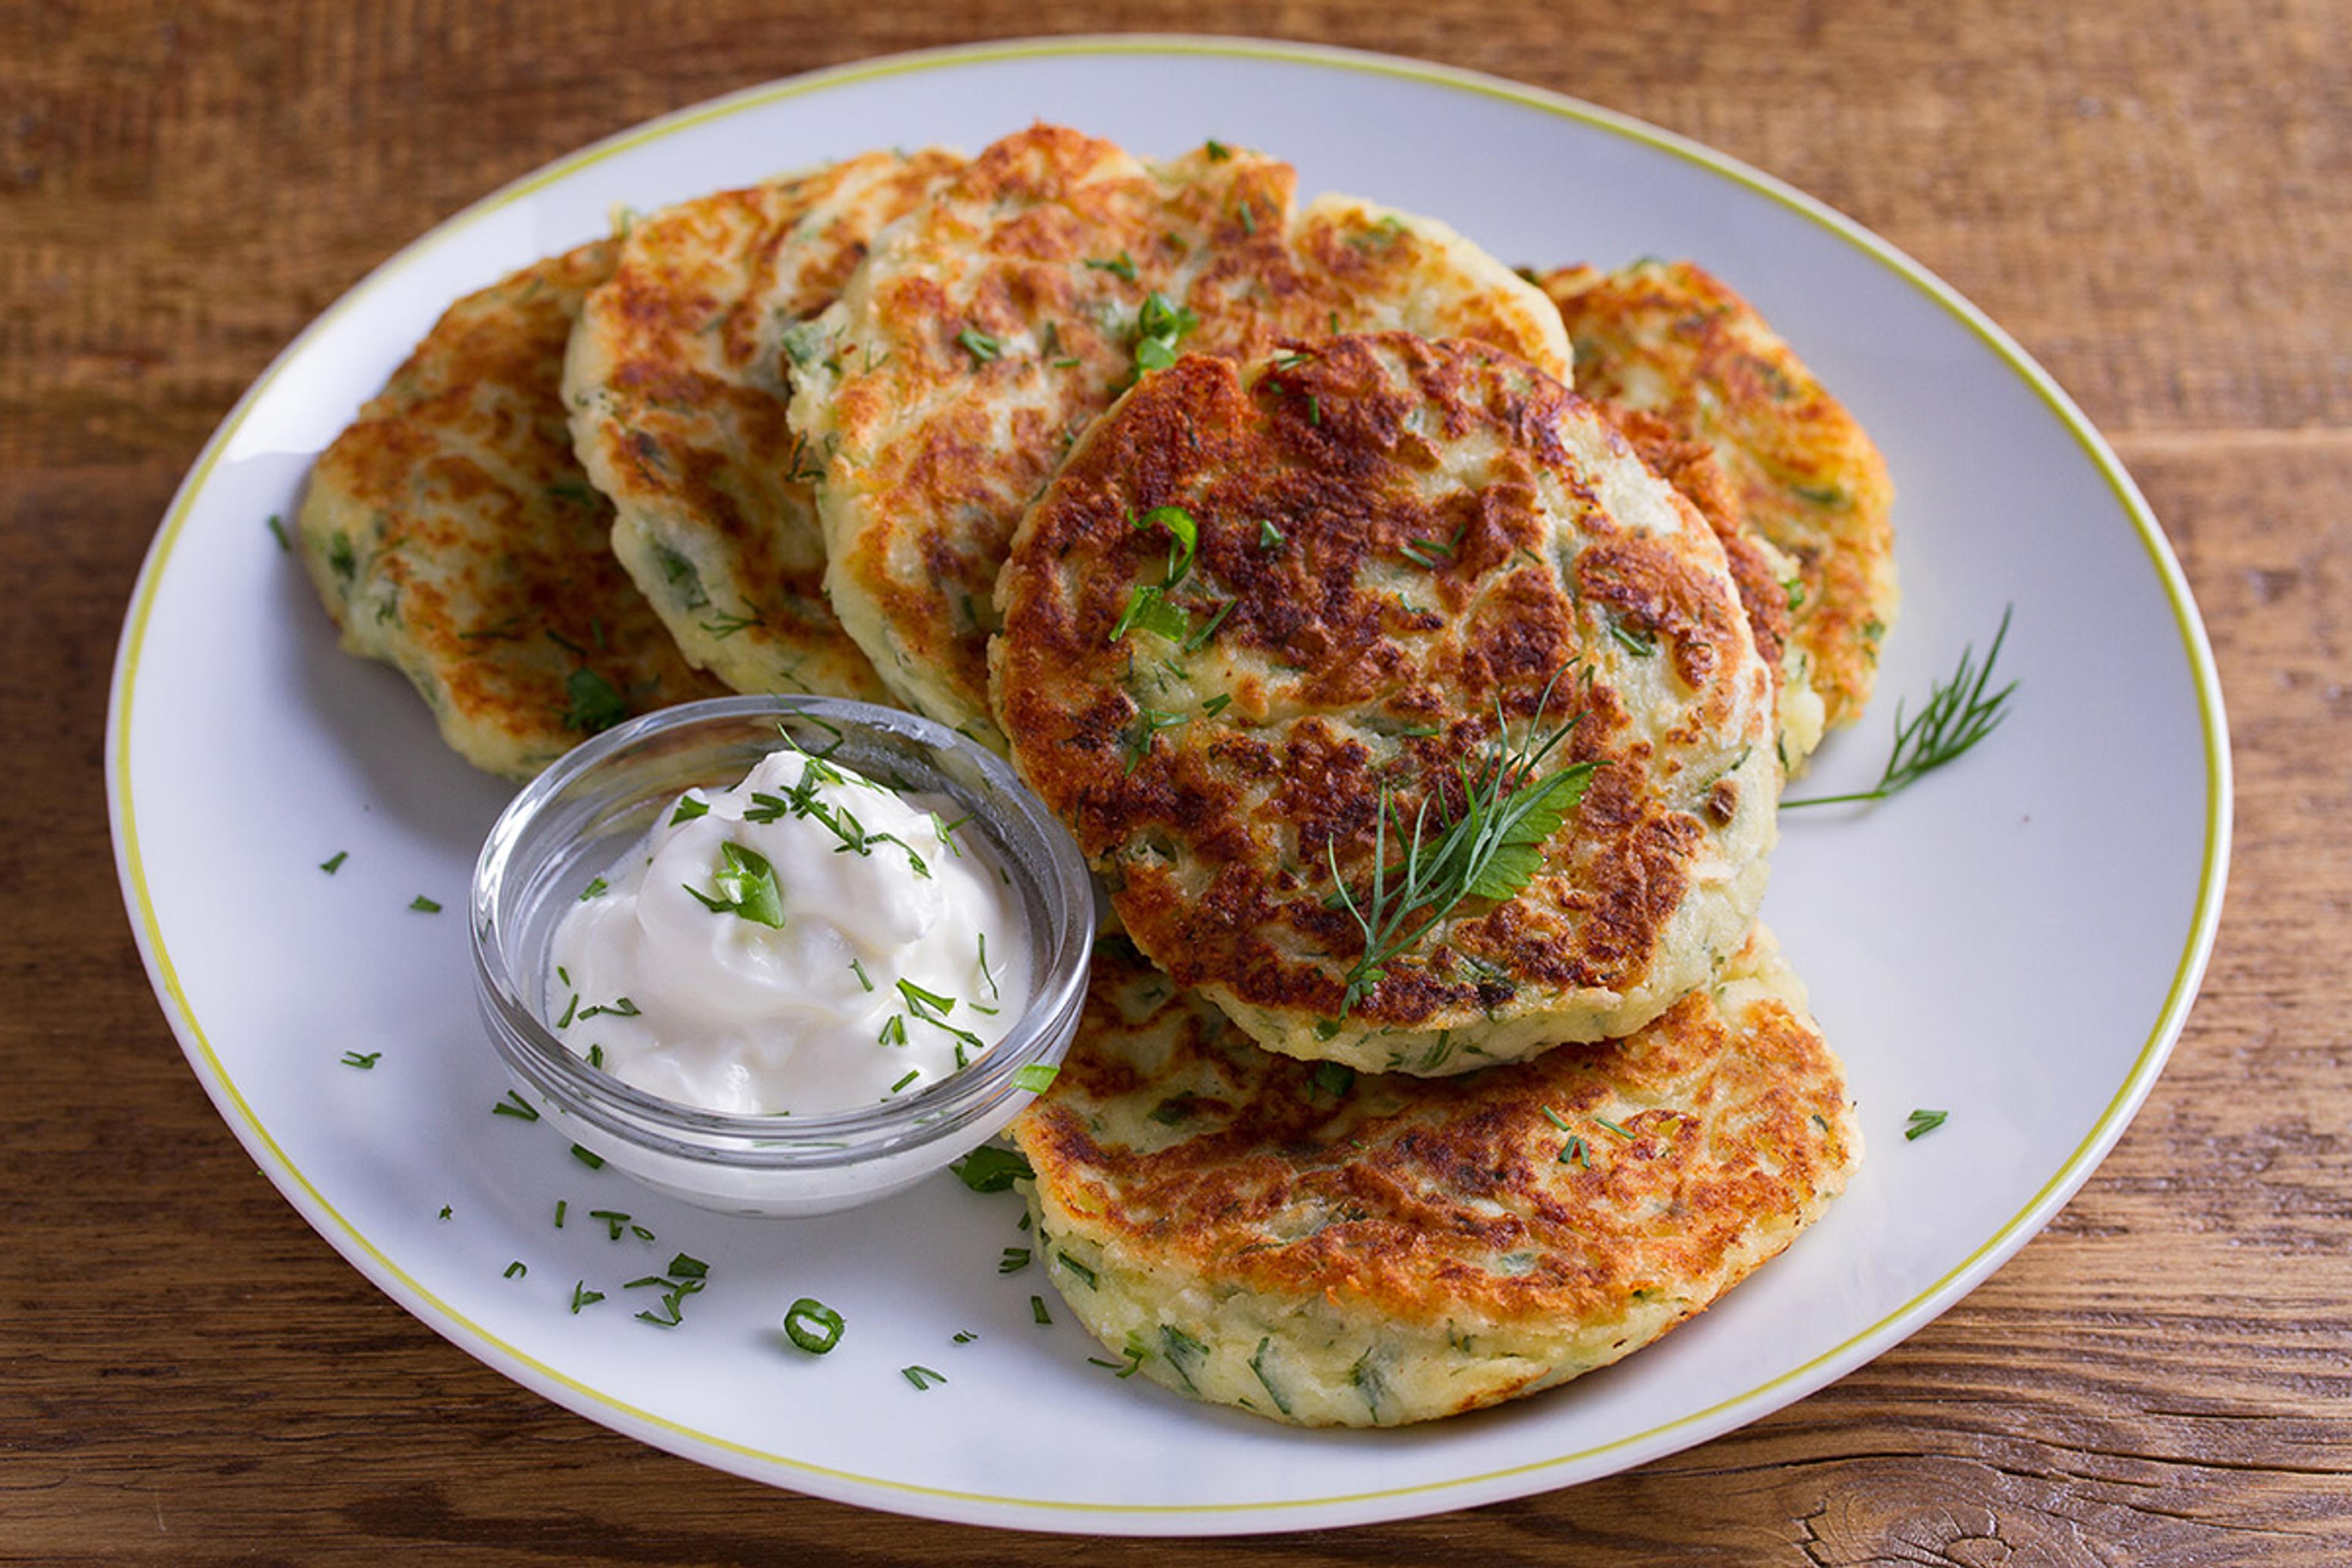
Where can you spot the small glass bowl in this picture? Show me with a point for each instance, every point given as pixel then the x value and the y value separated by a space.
pixel 583 814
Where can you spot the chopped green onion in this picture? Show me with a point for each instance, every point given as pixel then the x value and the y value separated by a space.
pixel 1036 1078
pixel 916 1375
pixel 1923 1122
pixel 595 885
pixel 516 1270
pixel 814 1326
pixel 1013 1260
pixel 516 1106
pixel 979 345
pixel 689 808
pixel 354 1059
pixel 1123 268
pixel 588 1157
pixel 334 863
pixel 423 906
pixel 278 527
pixel 1038 1311
pixel 584 1296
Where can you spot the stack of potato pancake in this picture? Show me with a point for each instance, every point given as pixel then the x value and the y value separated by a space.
pixel 1416 650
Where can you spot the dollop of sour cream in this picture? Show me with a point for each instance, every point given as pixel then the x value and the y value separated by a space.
pixel 808 941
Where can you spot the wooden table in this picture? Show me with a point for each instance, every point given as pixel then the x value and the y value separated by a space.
pixel 2156 198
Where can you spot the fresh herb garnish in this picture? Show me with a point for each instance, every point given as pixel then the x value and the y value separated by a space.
pixel 1491 850
pixel 561 1204
pixel 1334 1078
pixel 1923 1122
pixel 1268 536
pixel 1014 1260
pixel 689 808
pixel 747 887
pixel 1638 642
pixel 1959 713
pixel 1217 150
pixel 1183 537
pixel 1160 326
pixel 1217 704
pixel 516 1269
pixel 1257 1365
pixel 595 704
pixel 584 1296
pixel 588 1157
pixel 893 1031
pixel 1200 639
pixel 912 1074
pixel 1038 1311
pixel 619 1007
pixel 334 863
pixel 516 1106
pixel 990 1169
pixel 1613 1127
pixel 1077 1268
pixel 984 974
pixel 595 885
pixel 918 1374
pixel 1134 741
pixel 278 527
pixel 814 1326
pixel 979 345
pixel 1151 609
pixel 1036 1078
pixel 423 906
pixel 1574 1150
pixel 1121 268
pixel 863 978
pixel 355 1059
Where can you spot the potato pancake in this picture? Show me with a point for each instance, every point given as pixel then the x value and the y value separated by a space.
pixel 1329 1249
pixel 1279 638
pixel 1669 340
pixel 452 534
pixel 987 328
pixel 677 382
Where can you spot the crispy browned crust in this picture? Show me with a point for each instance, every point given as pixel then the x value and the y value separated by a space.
pixel 452 534
pixel 680 383
pixel 1668 339
pixel 1691 468
pixel 1046 247
pixel 1445 551
pixel 1425 1214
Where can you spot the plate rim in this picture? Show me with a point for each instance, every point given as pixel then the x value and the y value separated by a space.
pixel 1056 1514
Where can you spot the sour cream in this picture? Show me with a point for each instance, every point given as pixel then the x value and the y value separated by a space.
pixel 808 941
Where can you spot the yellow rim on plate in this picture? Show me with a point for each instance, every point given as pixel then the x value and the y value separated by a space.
pixel 388 1275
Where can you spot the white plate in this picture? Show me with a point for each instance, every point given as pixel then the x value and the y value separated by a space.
pixel 2016 939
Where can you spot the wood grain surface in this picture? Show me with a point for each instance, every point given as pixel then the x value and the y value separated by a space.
pixel 2156 198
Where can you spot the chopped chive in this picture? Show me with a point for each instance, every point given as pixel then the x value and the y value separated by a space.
pixel 424 905
pixel 1923 1122
pixel 984 974
pixel 641 1232
pixel 912 1074
pixel 595 886
pixel 1013 1260
pixel 1217 704
pixel 1038 1311
pixel 1077 1268
pixel 1036 1078
pixel 1555 1118
pixel 588 1157
pixel 516 1270
pixel 334 863
pixel 814 1326
pixel 596 1056
pixel 1574 1150
pixel 1122 268
pixel 1613 1127
pixel 1314 409
pixel 614 1221
pixel 684 1265
pixel 561 1204
pixel 689 808
pixel 894 1032
pixel 1640 644
pixel 1200 639
pixel 979 345
pixel 1217 150
pixel 278 527
pixel 965 1336
pixel 1268 536
pixel 516 1106
pixel 920 999
pixel 446 1211
pixel 1257 1365
pixel 916 1374
pixel 863 978
pixel 570 1008
pixel 362 1062
pixel 1249 219
pixel 584 1296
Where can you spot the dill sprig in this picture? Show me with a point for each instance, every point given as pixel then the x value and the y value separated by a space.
pixel 1959 713
pixel 1491 850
